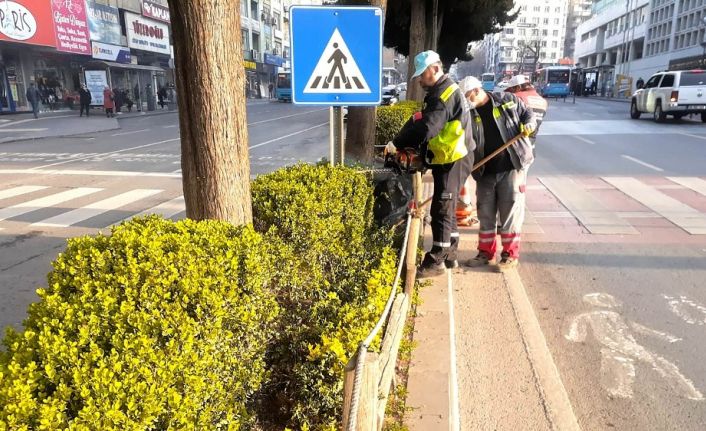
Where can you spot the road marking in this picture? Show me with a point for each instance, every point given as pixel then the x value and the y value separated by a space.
pixel 130 133
pixel 696 184
pixel 47 201
pixel 557 405
pixel 108 153
pixel 454 416
pixel 693 136
pixel 289 135
pixel 171 126
pixel 269 120
pixel 682 215
pixel 166 209
pixel 588 210
pixel 530 224
pixel 80 214
pixel 640 162
pixel 588 141
pixel 35 171
pixel 620 351
pixel 680 307
pixel 35 119
pixel 17 191
pixel 22 130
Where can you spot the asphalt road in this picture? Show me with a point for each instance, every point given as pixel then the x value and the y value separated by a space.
pixel 624 314
pixel 614 251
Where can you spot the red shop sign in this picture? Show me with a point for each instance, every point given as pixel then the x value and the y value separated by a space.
pixel 71 26
pixel 27 21
pixel 155 11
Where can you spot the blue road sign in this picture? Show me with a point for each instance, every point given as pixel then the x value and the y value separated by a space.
pixel 336 55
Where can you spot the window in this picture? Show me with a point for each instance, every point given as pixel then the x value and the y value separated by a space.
pixel 544 44
pixel 692 78
pixel 521 31
pixel 667 81
pixel 557 9
pixel 652 83
pixel 545 32
pixel 555 44
pixel 556 20
pixel 253 10
pixel 246 39
pixel 535 20
pixel 537 8
pixel 243 8
pixel 275 22
pixel 555 33
pixel 509 30
pixel 546 9
pixel 546 21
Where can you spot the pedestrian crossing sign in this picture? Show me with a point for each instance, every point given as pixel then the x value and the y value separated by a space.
pixel 336 55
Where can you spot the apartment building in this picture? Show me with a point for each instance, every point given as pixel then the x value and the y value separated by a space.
pixel 535 39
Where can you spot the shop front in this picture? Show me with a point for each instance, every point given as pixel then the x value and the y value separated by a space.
pixel 251 82
pixel 137 82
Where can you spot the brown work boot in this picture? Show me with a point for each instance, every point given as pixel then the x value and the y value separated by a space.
pixel 507 262
pixel 482 259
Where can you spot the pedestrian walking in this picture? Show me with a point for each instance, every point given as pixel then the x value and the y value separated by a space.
pixel 271 87
pixel 640 83
pixel 161 97
pixel 108 102
pixel 85 100
pixel 117 99
pixel 501 182
pixel 443 137
pixel 138 100
pixel 34 98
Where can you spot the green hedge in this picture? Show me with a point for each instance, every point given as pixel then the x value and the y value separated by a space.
pixel 160 325
pixel 202 325
pixel 390 119
pixel 339 269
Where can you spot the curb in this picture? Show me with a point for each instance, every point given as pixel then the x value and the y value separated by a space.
pixel 71 135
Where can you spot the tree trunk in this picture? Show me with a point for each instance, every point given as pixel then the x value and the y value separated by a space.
pixel 210 79
pixel 417 36
pixel 360 127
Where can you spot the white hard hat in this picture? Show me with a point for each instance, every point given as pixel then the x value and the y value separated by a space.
pixel 469 83
pixel 518 80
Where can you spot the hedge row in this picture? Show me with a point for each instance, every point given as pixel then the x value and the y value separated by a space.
pixel 204 325
pixel 390 119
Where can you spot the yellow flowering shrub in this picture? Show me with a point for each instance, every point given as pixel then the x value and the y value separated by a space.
pixel 390 119
pixel 334 270
pixel 160 325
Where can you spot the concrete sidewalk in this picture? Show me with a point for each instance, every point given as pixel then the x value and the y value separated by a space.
pixel 481 361
pixel 23 126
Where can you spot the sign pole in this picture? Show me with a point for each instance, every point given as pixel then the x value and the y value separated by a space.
pixel 332 136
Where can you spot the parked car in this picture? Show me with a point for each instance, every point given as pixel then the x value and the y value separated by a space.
pixel 677 93
pixel 390 95
pixel 500 87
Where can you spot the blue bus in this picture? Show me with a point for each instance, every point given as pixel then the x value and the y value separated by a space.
pixel 553 81
pixel 283 90
pixel 488 81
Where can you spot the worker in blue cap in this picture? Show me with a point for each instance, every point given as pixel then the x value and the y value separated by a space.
pixel 443 136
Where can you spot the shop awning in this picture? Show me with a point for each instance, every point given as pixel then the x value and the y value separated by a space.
pixel 126 65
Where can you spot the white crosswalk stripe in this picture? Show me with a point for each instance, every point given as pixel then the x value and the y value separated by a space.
pixel 47 201
pixel 80 214
pixel 167 209
pixel 19 191
pixel 696 184
pixel 677 212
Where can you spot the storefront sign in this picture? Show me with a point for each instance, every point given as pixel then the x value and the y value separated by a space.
pixel 146 34
pixel 71 27
pixel 103 22
pixel 154 10
pixel 275 60
pixel 96 81
pixel 105 51
pixel 250 64
pixel 27 21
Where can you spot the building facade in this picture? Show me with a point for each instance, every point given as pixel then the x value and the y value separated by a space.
pixel 535 39
pixel 266 48
pixel 121 44
pixel 579 12
pixel 630 39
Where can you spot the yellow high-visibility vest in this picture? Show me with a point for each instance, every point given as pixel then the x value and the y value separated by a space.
pixel 450 144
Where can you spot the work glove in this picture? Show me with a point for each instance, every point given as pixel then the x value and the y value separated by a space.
pixel 526 130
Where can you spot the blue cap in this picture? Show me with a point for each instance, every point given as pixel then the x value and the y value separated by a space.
pixel 424 60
